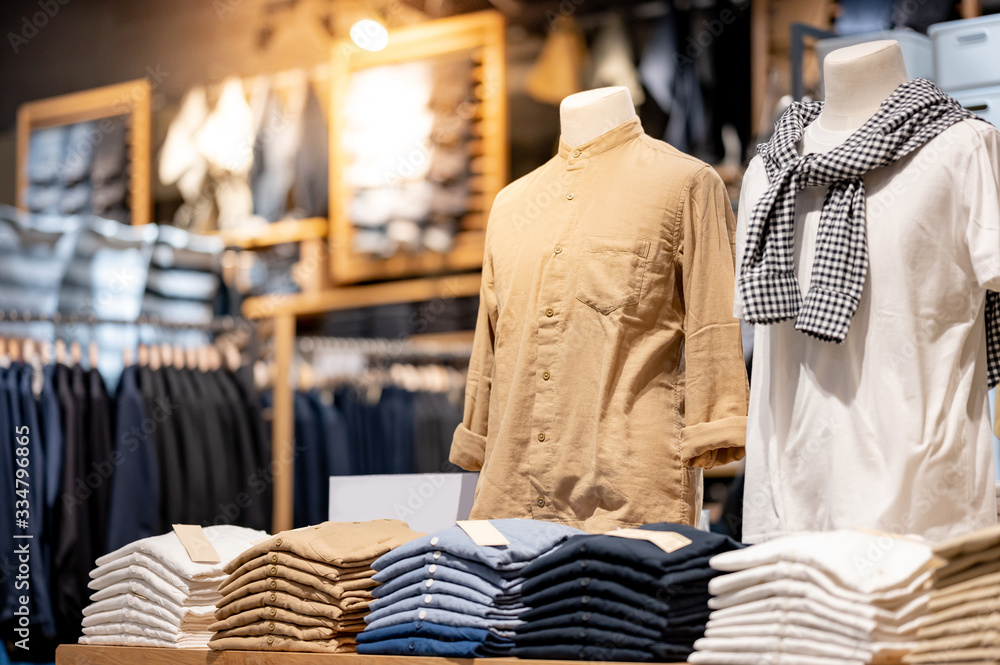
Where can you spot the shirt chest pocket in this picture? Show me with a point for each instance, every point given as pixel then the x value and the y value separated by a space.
pixel 611 272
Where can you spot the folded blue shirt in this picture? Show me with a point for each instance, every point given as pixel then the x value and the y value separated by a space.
pixel 502 627
pixel 528 539
pixel 423 646
pixel 434 587
pixel 435 561
pixel 446 602
pixel 445 573
pixel 435 631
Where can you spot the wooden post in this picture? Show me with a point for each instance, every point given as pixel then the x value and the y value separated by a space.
pixel 283 424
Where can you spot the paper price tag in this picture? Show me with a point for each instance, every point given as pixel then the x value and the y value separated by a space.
pixel 483 533
pixel 196 543
pixel 668 541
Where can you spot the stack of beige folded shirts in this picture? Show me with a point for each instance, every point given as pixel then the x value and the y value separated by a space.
pixel 963 621
pixel 304 590
pixel 998 501
pixel 150 592
pixel 834 598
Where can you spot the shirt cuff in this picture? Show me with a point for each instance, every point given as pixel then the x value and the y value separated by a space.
pixel 468 449
pixel 726 433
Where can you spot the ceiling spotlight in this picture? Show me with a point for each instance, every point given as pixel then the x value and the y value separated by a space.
pixel 370 35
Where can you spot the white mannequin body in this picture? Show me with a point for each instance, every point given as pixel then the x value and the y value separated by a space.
pixel 586 115
pixel 856 80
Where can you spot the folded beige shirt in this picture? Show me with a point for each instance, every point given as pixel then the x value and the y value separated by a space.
pixel 305 592
pixel 967 576
pixel 341 544
pixel 281 643
pixel 259 628
pixel 985 639
pixel 964 656
pixel 967 562
pixel 970 543
pixel 288 602
pixel 286 616
pixel 974 624
pixel 335 589
pixel 290 560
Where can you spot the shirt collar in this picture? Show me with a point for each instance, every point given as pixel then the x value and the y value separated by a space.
pixel 624 132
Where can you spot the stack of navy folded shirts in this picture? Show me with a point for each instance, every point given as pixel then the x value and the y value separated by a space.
pixel 616 598
pixel 443 595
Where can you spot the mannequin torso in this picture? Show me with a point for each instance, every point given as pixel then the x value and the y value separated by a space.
pixel 586 115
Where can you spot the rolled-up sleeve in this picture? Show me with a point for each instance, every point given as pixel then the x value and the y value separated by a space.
pixel 716 393
pixel 468 447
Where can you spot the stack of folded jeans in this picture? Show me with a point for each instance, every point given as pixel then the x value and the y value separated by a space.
pixel 963 615
pixel 150 593
pixel 612 597
pixel 443 595
pixel 304 590
pixel 835 598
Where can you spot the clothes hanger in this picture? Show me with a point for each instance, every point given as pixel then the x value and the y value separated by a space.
pixel 46 352
pixel 75 352
pixel 127 357
pixel 191 357
pixel 166 355
pixel 14 348
pixel 214 358
pixel 61 351
pixel 29 351
pixel 143 354
pixel 179 357
pixel 93 355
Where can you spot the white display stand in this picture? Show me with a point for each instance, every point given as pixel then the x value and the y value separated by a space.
pixel 428 502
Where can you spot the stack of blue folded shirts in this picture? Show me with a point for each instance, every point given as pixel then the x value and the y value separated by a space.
pixel 443 595
pixel 612 598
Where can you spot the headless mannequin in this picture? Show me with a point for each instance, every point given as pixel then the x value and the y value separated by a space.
pixel 856 80
pixel 586 115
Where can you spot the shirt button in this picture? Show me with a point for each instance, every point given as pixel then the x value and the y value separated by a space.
pixel 434 540
pixel 433 568
pixel 576 153
pixel 422 614
pixel 550 312
pixel 270 626
pixel 273 597
pixel 437 555
pixel 585 600
pixel 585 581
pixel 545 375
pixel 274 612
pixel 270 639
pixel 274 558
pixel 277 542
pixel 583 634
pixel 558 249
pixel 540 502
pixel 411 646
pixel 429 583
pixel 583 547
pixel 427 599
pixel 586 616
pixel 541 436
pixel 272 571
pixel 274 584
pixel 570 196
pixel 584 564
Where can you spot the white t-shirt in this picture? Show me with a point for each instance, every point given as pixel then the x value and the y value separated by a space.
pixel 889 430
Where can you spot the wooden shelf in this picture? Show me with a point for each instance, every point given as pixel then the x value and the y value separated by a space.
pixel 78 654
pixel 289 230
pixel 349 297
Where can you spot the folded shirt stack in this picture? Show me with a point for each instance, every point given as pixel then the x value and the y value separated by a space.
pixel 835 598
pixel 444 595
pixel 306 589
pixel 618 598
pixel 998 502
pixel 962 624
pixel 150 593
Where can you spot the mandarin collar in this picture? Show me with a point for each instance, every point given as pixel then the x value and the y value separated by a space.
pixel 626 131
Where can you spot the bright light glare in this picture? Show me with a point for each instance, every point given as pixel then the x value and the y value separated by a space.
pixel 370 35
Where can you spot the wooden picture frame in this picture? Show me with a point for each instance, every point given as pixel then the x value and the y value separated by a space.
pixel 482 35
pixel 132 99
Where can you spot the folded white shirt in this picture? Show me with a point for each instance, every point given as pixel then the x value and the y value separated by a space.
pixel 780 629
pixel 229 541
pixel 783 645
pixel 109 576
pixel 136 602
pixel 796 589
pixel 869 563
pixel 148 577
pixel 140 641
pixel 146 631
pixel 174 600
pixel 750 658
pixel 791 570
pixel 762 623
pixel 131 615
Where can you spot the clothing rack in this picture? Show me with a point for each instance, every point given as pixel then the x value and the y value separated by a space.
pixel 221 324
pixel 396 349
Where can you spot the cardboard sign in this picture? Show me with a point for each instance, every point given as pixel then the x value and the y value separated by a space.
pixel 193 539
pixel 483 533
pixel 668 541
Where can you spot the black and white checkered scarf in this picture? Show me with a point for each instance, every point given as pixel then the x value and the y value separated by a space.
pixel 915 113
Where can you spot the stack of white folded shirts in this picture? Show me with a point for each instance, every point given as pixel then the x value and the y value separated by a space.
pixel 835 598
pixel 962 625
pixel 150 592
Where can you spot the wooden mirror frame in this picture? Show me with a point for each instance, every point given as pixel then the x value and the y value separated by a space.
pixel 132 99
pixel 482 34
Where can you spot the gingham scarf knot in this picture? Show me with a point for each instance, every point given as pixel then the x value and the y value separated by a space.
pixel 915 113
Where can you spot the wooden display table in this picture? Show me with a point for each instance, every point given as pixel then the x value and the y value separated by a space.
pixel 78 654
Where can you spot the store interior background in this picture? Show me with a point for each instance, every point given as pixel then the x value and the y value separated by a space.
pixel 180 44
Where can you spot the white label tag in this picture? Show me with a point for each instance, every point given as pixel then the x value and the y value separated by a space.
pixel 668 541
pixel 193 539
pixel 483 533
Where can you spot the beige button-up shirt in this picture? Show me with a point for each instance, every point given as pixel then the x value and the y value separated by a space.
pixel 607 366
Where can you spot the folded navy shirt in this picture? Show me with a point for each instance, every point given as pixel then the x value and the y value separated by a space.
pixel 662 587
pixel 588 586
pixel 582 652
pixel 588 620
pixel 528 539
pixel 637 554
pixel 597 637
